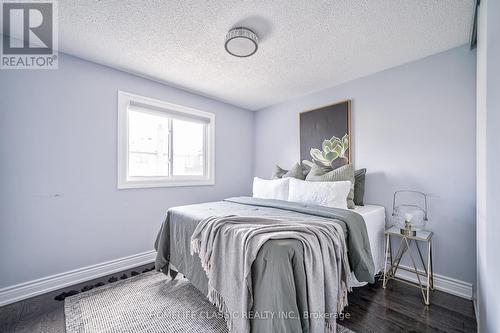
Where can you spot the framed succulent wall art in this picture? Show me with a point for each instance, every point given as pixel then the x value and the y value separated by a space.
pixel 325 135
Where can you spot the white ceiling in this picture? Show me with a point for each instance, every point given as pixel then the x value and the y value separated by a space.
pixel 306 45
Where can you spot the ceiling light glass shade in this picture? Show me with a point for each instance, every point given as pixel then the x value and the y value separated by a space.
pixel 241 42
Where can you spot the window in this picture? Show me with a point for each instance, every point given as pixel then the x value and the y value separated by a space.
pixel 162 144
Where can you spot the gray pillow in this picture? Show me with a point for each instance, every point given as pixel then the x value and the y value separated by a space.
pixel 279 172
pixel 346 172
pixel 295 172
pixel 359 186
pixel 306 168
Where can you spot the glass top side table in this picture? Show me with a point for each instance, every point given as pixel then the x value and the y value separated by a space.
pixel 392 262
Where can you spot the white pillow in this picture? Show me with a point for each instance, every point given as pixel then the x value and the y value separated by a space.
pixel 270 189
pixel 330 194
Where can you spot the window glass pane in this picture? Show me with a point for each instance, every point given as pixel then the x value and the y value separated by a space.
pixel 188 148
pixel 148 145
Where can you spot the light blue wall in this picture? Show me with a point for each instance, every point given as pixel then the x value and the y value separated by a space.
pixel 413 128
pixel 58 137
pixel 488 166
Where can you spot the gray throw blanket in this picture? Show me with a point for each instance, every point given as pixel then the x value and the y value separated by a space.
pixel 353 224
pixel 228 245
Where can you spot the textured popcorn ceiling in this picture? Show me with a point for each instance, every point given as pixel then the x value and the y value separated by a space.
pixel 306 45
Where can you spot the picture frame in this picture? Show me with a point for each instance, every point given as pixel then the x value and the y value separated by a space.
pixel 324 123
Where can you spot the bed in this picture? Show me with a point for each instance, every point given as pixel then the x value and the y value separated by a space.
pixel 278 272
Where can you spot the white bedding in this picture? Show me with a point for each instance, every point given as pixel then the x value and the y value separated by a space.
pixel 374 217
pixel 328 194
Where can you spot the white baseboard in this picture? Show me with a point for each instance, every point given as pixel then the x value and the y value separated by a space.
pixel 47 284
pixel 442 283
pixel 40 286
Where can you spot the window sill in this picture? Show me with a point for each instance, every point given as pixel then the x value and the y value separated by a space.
pixel 169 183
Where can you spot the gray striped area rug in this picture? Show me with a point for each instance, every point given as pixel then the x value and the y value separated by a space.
pixel 150 303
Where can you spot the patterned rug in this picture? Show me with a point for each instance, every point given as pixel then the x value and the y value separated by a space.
pixel 149 303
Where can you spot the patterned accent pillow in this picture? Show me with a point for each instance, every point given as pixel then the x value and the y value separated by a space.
pixel 329 194
pixel 346 172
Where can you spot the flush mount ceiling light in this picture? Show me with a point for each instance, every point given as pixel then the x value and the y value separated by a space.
pixel 241 42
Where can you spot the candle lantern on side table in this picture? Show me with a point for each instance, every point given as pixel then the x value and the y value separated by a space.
pixel 409 226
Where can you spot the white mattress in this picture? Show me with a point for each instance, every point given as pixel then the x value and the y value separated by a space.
pixel 374 217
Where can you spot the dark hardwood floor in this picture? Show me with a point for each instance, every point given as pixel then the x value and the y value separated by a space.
pixel 398 308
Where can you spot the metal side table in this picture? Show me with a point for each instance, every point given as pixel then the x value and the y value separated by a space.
pixel 392 263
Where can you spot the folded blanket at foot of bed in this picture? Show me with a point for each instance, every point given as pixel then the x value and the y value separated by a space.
pixel 228 246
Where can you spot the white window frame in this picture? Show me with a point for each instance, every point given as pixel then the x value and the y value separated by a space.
pixel 175 111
